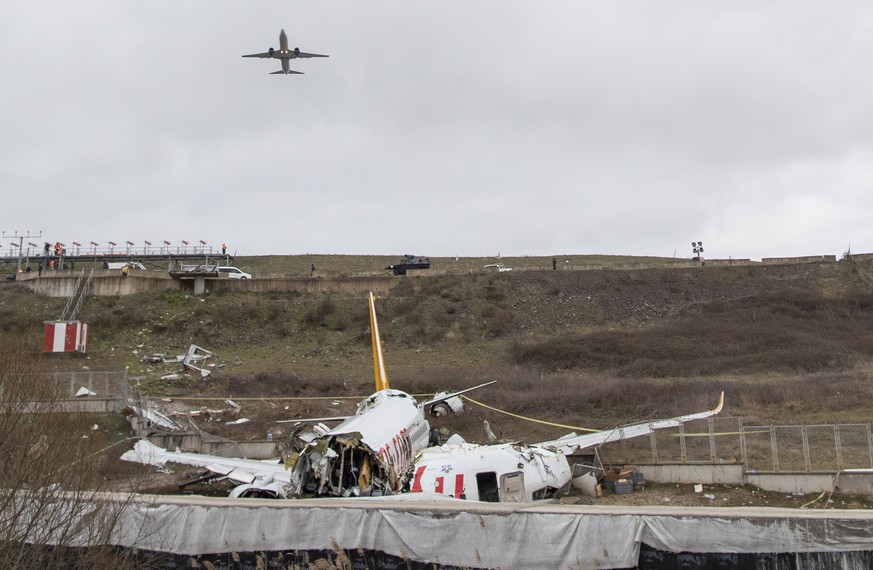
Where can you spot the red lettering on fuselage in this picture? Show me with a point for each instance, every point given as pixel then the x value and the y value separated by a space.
pixel 416 483
pixel 459 485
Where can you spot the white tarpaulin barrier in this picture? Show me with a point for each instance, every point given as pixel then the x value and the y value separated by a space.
pixel 480 535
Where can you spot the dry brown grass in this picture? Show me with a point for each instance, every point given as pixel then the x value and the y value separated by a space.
pixel 53 468
pixel 793 333
pixel 615 345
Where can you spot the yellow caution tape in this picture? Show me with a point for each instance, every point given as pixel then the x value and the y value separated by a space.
pixel 536 421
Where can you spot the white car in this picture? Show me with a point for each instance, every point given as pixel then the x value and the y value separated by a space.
pixel 234 273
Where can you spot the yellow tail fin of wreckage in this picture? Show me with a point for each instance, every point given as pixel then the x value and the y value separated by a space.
pixel 378 357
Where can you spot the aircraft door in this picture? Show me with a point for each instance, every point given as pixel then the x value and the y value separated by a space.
pixel 512 487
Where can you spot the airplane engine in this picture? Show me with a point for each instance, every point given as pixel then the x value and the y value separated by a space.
pixel 269 491
pixel 271 50
pixel 297 52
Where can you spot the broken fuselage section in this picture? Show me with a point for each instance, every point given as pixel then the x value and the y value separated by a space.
pixel 368 454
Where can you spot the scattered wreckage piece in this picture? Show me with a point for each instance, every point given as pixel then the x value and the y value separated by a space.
pixel 453 405
pixel 195 354
pixel 84 392
pixel 383 449
pixel 151 417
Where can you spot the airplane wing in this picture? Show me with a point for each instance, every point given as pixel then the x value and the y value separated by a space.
pixel 307 55
pixel 572 443
pixel 444 397
pixel 235 469
pixel 265 54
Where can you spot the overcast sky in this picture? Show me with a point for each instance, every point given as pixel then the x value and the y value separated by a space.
pixel 458 127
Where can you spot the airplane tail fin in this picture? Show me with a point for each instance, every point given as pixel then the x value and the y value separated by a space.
pixel 378 358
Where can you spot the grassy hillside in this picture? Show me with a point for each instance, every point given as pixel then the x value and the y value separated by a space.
pixel 787 343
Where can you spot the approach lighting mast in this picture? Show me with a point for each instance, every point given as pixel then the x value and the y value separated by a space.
pixel 20 244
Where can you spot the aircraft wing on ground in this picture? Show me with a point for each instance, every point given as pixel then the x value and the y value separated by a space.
pixel 572 442
pixel 266 475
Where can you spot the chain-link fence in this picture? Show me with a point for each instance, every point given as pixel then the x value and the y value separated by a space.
pixel 106 385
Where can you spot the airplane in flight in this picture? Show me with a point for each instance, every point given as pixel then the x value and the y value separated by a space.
pixel 285 55
pixel 368 453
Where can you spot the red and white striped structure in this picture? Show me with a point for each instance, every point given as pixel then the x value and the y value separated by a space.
pixel 65 336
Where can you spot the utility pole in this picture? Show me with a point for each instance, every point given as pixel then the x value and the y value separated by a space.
pixel 21 244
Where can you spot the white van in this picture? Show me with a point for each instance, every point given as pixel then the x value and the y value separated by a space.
pixel 234 273
pixel 123 264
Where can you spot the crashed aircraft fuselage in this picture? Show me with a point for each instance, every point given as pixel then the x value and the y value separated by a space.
pixel 507 473
pixel 367 454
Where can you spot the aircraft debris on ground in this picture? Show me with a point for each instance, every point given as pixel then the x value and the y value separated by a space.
pixel 382 449
pixel 499 265
pixel 195 354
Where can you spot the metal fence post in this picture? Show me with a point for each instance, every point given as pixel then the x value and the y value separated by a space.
pixel 683 452
pixel 773 449
pixel 712 455
pixel 804 437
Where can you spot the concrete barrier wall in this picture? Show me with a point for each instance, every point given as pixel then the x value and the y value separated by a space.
pixel 792 482
pixel 793 260
pixel 113 284
pixel 106 283
pixel 91 405
pixel 711 474
pixel 343 285
pixel 857 483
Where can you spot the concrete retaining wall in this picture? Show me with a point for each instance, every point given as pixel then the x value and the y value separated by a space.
pixel 343 285
pixel 794 260
pixel 111 283
pixel 106 283
pixel 90 405
pixel 711 474
pixel 851 483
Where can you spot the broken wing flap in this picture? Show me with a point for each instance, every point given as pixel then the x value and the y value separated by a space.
pixel 572 443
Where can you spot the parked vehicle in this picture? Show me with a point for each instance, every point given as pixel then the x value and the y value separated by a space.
pixel 234 273
pixel 409 262
pixel 123 264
